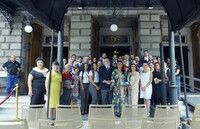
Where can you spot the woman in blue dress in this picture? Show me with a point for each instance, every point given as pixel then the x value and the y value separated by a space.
pixel 119 91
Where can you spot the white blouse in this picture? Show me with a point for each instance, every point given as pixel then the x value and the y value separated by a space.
pixel 96 76
pixel 85 76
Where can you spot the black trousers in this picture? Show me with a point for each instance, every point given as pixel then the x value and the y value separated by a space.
pixel 65 99
pixel 38 96
pixel 85 97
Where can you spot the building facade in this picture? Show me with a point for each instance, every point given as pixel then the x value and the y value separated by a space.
pixel 87 31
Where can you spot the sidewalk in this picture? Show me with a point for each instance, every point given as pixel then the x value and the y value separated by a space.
pixel 8 108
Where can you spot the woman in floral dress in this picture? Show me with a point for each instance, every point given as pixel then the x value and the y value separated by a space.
pixel 119 91
pixel 75 89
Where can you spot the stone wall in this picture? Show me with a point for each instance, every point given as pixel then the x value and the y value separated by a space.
pixel 47 32
pixel 149 33
pixel 80 33
pixel 80 40
pixel 148 27
pixel 11 44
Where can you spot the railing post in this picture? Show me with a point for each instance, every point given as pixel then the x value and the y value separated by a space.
pixel 164 99
pixel 60 48
pixel 173 87
pixel 16 93
pixel 51 60
pixel 183 71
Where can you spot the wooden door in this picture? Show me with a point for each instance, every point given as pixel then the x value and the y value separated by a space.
pixel 34 45
pixel 134 46
pixel 95 42
pixel 196 50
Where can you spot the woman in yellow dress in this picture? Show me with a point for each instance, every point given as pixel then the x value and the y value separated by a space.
pixel 55 89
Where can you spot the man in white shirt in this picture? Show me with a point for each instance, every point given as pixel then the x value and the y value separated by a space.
pixel 128 63
pixel 73 57
pixel 71 62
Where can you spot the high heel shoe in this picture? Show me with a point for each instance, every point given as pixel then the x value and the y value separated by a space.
pixel 119 115
pixel 82 113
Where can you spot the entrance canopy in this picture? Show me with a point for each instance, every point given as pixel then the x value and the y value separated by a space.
pixel 51 12
pixel 181 12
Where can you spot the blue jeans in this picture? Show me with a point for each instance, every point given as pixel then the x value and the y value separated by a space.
pixel 178 84
pixel 11 83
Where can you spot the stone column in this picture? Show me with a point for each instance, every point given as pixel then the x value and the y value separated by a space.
pixel 149 34
pixel 80 39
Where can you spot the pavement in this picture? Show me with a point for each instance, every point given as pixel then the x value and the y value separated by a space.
pixel 8 109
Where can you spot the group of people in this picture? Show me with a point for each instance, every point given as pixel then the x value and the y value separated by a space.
pixel 119 81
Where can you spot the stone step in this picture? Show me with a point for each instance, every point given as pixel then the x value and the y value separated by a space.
pixel 9 114
pixel 11 102
pixel 2 90
pixel 183 110
pixel 12 106
pixel 19 97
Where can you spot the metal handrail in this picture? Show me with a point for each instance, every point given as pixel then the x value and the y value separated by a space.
pixel 193 78
pixel 188 86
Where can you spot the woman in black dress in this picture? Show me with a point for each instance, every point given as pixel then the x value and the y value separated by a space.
pixel 157 87
pixel 36 82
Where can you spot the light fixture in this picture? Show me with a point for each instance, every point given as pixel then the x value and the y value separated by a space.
pixel 149 5
pixel 80 8
pixel 114 26
pixel 80 4
pixel 28 28
pixel 115 52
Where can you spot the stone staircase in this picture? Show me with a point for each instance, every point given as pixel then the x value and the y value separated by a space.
pixel 183 110
pixel 8 108
pixel 8 112
pixel 2 85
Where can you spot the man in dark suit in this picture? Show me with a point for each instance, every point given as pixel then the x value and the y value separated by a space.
pixel 145 57
pixel 104 56
pixel 105 73
pixel 80 63
pixel 85 61
pixel 113 61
